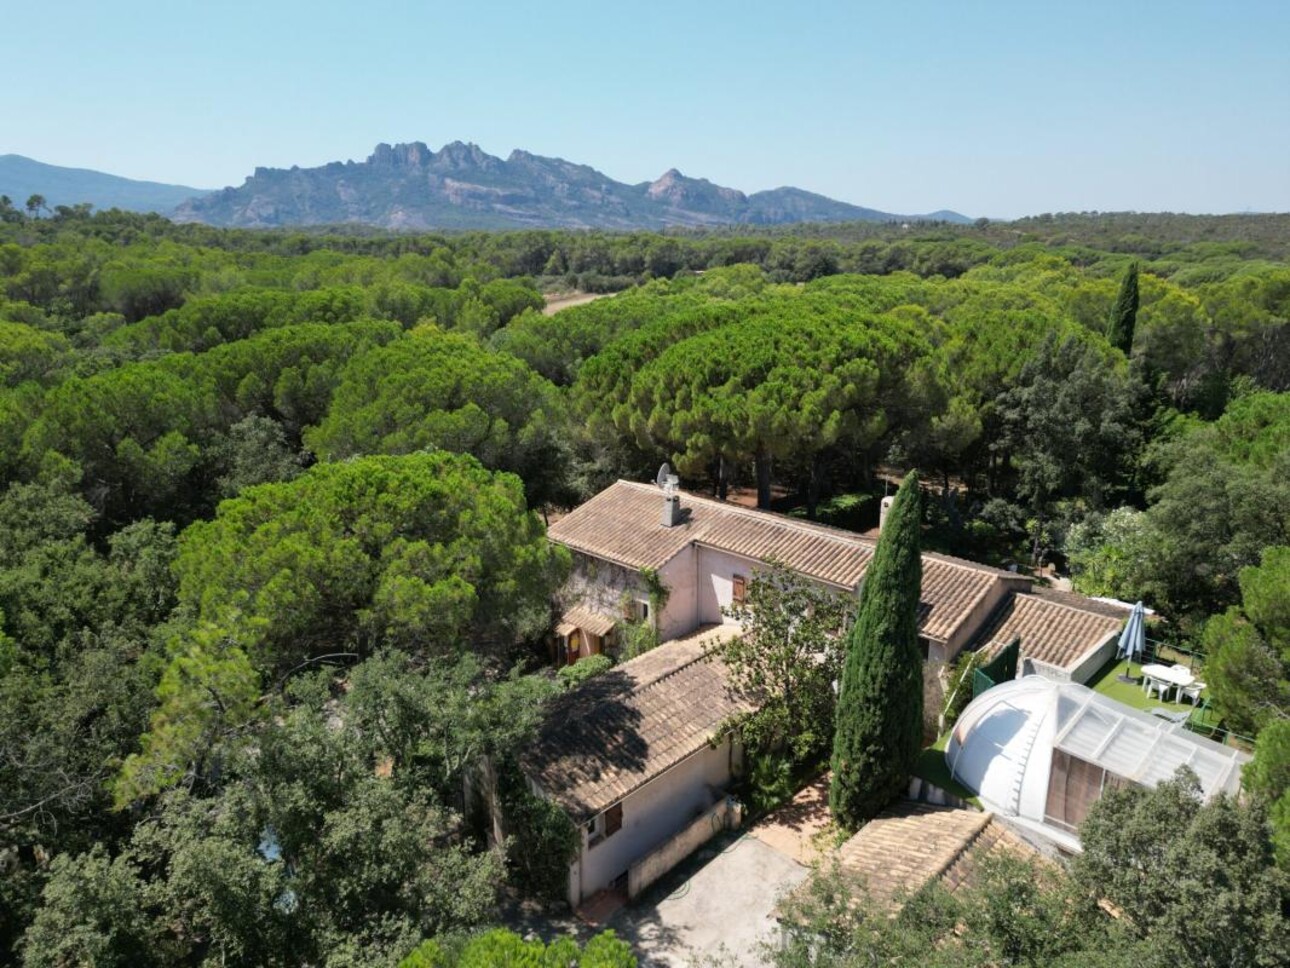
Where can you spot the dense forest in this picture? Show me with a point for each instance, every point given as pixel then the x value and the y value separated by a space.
pixel 273 567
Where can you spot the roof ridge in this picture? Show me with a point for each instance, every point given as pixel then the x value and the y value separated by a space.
pixel 824 530
pixel 986 818
pixel 1031 594
pixel 813 527
pixel 969 565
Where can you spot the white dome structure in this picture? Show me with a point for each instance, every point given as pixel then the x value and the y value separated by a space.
pixel 1042 752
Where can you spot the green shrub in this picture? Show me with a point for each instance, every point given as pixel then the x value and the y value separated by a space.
pixel 771 780
pixel 584 669
pixel 500 948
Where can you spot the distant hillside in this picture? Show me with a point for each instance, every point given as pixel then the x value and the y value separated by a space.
pixel 20 178
pixel 409 186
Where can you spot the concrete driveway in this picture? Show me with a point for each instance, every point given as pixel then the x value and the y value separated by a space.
pixel 715 908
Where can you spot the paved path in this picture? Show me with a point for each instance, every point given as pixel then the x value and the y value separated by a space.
pixel 558 301
pixel 719 905
pixel 802 828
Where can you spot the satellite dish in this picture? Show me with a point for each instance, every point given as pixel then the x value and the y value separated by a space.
pixel 664 473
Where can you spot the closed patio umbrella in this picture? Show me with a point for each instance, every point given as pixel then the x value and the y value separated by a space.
pixel 1133 640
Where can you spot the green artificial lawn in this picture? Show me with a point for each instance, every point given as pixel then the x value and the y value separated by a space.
pixel 1130 693
pixel 931 767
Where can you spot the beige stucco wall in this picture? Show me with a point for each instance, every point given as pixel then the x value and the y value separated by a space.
pixel 715 585
pixel 1094 659
pixel 977 617
pixel 651 815
pixel 679 615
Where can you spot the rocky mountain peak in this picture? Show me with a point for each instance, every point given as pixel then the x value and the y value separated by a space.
pixel 461 155
pixel 677 190
pixel 415 154
pixel 665 184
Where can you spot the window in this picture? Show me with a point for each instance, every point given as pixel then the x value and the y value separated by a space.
pixel 604 825
pixel 614 819
pixel 636 610
pixel 739 593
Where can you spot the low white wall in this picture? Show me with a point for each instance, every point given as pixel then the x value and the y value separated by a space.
pixel 1089 664
pixel 723 815
pixel 653 814
pixel 1083 670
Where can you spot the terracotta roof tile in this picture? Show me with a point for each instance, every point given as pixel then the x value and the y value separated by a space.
pixel 994 840
pixel 909 845
pixel 1056 628
pixel 617 731
pixel 623 523
pixel 1076 600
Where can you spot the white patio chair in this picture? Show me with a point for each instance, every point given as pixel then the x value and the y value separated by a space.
pixel 1191 692
pixel 1161 688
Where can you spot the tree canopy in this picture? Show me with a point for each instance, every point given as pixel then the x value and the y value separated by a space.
pixel 441 390
pixel 428 551
pixel 387 419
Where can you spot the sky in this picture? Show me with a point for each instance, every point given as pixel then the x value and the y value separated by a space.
pixel 999 109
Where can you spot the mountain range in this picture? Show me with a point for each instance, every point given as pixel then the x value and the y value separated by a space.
pixel 410 186
pixel 20 178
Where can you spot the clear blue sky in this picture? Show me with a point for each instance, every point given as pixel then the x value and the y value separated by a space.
pixel 998 109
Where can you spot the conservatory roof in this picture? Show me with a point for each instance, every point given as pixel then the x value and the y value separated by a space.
pixel 1007 735
pixel 1137 746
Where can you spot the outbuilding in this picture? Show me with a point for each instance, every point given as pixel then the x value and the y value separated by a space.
pixel 637 759
pixel 1042 752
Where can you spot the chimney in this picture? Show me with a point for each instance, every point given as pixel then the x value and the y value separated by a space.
pixel 883 508
pixel 671 504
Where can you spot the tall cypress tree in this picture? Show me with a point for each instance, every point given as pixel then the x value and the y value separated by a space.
pixel 880 706
pixel 1124 314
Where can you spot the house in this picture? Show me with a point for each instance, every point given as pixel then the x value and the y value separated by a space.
pixel 634 758
pixel 1041 751
pixel 678 561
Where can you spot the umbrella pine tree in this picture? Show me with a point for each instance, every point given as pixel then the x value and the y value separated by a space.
pixel 880 706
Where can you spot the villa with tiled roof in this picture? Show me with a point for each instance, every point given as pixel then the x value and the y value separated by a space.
pixel 704 556
pixel 636 756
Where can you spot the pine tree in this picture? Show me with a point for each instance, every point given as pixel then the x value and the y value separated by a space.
pixel 1124 314
pixel 880 708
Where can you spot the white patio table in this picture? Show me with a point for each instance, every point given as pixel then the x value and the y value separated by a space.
pixel 1175 676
